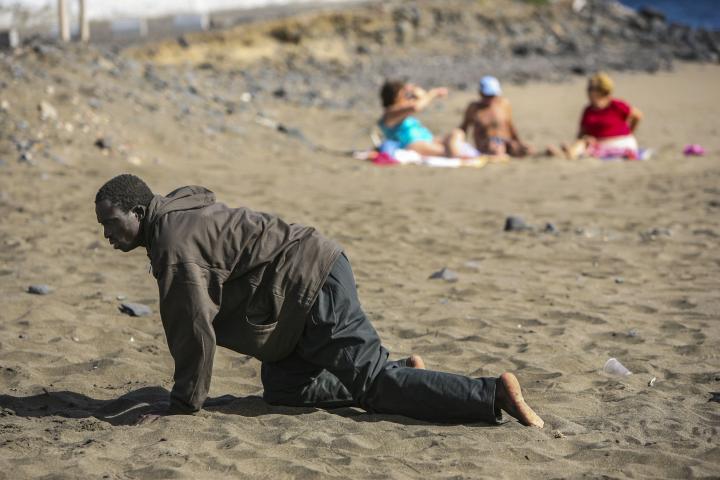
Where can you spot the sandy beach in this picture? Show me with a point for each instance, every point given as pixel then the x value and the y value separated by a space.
pixel 632 273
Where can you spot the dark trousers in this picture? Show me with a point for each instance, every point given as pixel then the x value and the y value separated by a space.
pixel 339 361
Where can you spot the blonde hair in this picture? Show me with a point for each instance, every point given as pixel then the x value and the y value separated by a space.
pixel 601 82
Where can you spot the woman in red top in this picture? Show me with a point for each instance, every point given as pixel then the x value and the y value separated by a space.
pixel 607 124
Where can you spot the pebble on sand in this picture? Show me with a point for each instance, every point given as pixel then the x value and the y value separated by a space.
pixel 516 224
pixel 445 274
pixel 473 264
pixel 47 111
pixel 135 309
pixel 550 228
pixel 104 143
pixel 39 289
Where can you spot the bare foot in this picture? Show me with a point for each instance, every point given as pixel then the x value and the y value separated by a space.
pixel 415 361
pixel 508 396
pixel 553 151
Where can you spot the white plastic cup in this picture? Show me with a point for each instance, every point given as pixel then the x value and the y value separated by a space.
pixel 614 367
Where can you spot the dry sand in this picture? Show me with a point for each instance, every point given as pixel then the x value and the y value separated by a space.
pixel 550 307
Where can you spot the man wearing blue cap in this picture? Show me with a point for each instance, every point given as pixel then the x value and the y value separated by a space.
pixel 491 120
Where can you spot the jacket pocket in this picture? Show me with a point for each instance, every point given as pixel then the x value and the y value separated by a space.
pixel 262 313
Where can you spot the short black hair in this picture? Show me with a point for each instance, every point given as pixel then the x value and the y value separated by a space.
pixel 125 191
pixel 389 91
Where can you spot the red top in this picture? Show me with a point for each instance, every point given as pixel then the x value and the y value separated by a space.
pixel 610 121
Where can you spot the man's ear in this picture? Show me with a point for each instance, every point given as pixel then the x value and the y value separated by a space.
pixel 139 211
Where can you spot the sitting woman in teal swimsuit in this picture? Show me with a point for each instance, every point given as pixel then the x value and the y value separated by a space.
pixel 401 100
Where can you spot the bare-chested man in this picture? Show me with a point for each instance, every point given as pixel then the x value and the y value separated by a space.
pixel 491 120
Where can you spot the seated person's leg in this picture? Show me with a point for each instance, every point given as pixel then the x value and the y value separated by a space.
pixel 430 149
pixel 454 144
pixel 517 149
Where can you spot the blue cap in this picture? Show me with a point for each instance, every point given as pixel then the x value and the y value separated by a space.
pixel 490 86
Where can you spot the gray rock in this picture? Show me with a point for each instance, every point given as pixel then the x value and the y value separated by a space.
pixel 39 289
pixel 445 274
pixel 655 233
pixel 94 103
pixel 135 309
pixel 516 224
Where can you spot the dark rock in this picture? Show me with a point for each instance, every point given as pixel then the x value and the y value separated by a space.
pixel 550 228
pixel 135 309
pixel 152 77
pixel 516 224
pixel 651 14
pixel 287 34
pixel 39 289
pixel 653 233
pixel 9 38
pixel 26 157
pixel 521 50
pixel 279 93
pixel 619 280
pixel 104 143
pixel 715 397
pixel 44 49
pixel 183 42
pixel 290 131
pixel 445 274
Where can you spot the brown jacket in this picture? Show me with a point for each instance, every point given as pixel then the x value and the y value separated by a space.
pixel 230 277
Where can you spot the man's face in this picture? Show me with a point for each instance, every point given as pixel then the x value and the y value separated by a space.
pixel 122 229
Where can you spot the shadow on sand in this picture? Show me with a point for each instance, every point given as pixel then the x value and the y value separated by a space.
pixel 126 409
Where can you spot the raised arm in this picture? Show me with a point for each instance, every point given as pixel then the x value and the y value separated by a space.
pixel 187 312
pixel 418 101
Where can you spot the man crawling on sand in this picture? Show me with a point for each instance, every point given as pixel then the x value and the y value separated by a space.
pixel 285 295
pixel 490 118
